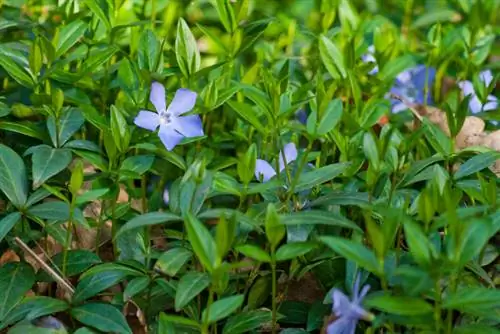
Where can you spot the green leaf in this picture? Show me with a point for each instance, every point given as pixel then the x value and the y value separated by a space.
pixel 190 286
pixel 248 114
pixel 172 260
pixel 477 163
pixel 332 58
pixel 77 261
pixel 275 230
pixel 8 222
pixel 254 252
pixel 186 49
pixel 331 117
pixel 104 317
pixel 148 51
pixel 70 122
pixel 100 8
pixel 147 219
pixel 13 181
pixel 399 305
pixel 202 241
pixel 135 286
pixel 47 162
pixel 34 307
pixel 434 16
pixel 474 300
pixel 353 251
pixel 57 210
pixel 222 308
pixel 168 318
pixel 25 128
pixel 395 66
pixel 371 150
pixel 226 14
pixel 418 242
pixel 136 165
pixel 91 195
pixel 318 176
pixel 97 58
pixel 68 36
pixel 475 329
pixel 293 250
pixel 19 73
pixel 94 283
pixel 119 129
pixel 318 217
pixel 246 322
pixel 342 198
pixel 15 280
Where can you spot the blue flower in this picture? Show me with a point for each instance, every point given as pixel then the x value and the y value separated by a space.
pixel 475 104
pixel 301 116
pixel 173 126
pixel 348 312
pixel 266 171
pixel 410 85
pixel 370 58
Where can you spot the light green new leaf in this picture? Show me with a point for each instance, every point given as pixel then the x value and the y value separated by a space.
pixel 332 58
pixel 202 241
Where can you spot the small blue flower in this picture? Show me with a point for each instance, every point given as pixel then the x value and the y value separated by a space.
pixel 348 312
pixel 301 116
pixel 475 104
pixel 166 195
pixel 266 171
pixel 173 126
pixel 410 85
pixel 370 58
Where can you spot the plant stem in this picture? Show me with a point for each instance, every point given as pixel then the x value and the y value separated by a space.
pixel 296 177
pixel 273 297
pixel 437 306
pixel 205 326
pixel 68 237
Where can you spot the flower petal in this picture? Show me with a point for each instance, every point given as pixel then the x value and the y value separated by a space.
pixel 157 96
pixel 341 303
pixel 491 104
pixel 466 87
pixel 419 74
pixel 342 325
pixel 263 168
pixel 169 137
pixel 166 196
pixel 290 152
pixel 363 292
pixel 398 107
pixel 475 105
pixel 184 100
pixel 147 120
pixel 486 77
pixel 189 126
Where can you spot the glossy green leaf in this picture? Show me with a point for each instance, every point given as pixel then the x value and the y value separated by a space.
pixel 293 250
pixel 245 322
pixel 13 181
pixel 353 251
pixel 172 260
pixel 190 285
pixel 318 217
pixel 332 58
pixel 476 164
pixel 68 36
pixel 104 317
pixel 48 162
pixel 15 280
pixel 318 176
pixel 77 261
pixel 254 252
pixel 201 240
pixel 222 308
pixel 8 222
pixel 148 219
pixel 399 305
pixel 136 286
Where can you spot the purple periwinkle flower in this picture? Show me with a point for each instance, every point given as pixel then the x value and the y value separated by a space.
pixel 264 168
pixel 173 126
pixel 475 104
pixel 370 58
pixel 348 312
pixel 410 85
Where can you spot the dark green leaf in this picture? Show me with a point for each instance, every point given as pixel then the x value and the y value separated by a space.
pixel 148 219
pixel 77 261
pixel 318 217
pixel 172 260
pixel 293 250
pixel 222 308
pixel 15 280
pixel 201 240
pixel 476 164
pixel 68 36
pixel 399 305
pixel 318 176
pixel 254 252
pixel 245 322
pixel 47 162
pixel 190 286
pixel 353 251
pixel 13 181
pixel 8 222
pixel 104 317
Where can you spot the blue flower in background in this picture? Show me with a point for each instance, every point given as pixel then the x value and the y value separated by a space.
pixel 475 104
pixel 348 312
pixel 173 126
pixel 301 116
pixel 370 58
pixel 264 168
pixel 410 85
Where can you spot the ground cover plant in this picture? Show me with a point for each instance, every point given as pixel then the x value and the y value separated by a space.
pixel 249 166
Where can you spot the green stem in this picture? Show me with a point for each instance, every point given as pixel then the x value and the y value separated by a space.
pixel 303 162
pixel 449 316
pixel 205 326
pixel 274 303
pixel 68 237
pixel 437 306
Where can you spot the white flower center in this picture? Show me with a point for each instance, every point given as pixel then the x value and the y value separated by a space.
pixel 410 92
pixel 165 117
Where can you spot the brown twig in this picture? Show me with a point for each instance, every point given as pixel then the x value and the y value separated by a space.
pixel 408 104
pixel 66 285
